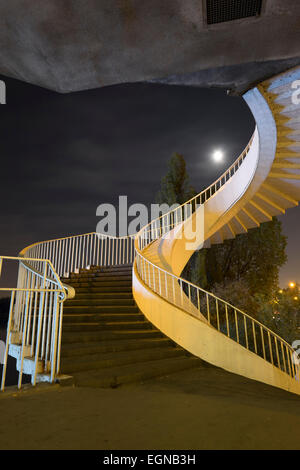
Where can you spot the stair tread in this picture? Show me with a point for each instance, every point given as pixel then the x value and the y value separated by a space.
pixel 109 334
pixel 99 361
pixel 113 323
pixel 111 307
pixel 115 376
pixel 100 295
pixel 133 353
pixel 78 302
pixel 114 318
pixel 101 315
pixel 112 344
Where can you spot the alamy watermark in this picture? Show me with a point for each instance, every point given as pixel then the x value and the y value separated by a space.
pixel 129 220
pixel 296 93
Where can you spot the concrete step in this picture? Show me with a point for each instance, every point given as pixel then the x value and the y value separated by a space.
pixel 100 284
pixel 115 266
pixel 119 272
pixel 104 271
pixel 113 359
pixel 104 346
pixel 104 289
pixel 99 277
pixel 101 309
pixel 102 317
pixel 102 326
pixel 92 336
pixel 100 302
pixel 108 270
pixel 103 296
pixel 116 376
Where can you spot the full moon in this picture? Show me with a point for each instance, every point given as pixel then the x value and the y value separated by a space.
pixel 218 156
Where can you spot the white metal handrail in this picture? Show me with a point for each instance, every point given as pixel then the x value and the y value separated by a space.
pixel 166 222
pixel 35 317
pixel 69 254
pixel 36 307
pixel 226 318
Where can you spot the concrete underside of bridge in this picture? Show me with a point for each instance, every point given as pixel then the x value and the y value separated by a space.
pixel 69 46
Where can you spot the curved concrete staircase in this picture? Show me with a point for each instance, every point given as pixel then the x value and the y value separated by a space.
pixel 262 183
pixel 117 329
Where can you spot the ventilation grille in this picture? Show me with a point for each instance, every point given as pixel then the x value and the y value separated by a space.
pixel 220 11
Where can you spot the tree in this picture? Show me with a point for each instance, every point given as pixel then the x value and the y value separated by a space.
pixel 198 269
pixel 254 257
pixel 243 271
pixel 175 185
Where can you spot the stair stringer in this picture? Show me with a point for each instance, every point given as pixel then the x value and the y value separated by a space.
pixel 168 253
pixel 204 341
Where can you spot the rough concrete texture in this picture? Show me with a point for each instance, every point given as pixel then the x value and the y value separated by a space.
pixel 204 408
pixel 67 46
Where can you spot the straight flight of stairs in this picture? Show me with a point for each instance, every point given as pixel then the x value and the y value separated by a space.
pixel 106 340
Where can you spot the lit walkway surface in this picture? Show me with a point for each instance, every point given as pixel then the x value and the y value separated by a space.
pixel 203 408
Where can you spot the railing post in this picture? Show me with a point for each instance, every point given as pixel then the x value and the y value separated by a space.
pixel 59 336
pixel 283 358
pixel 217 311
pixel 23 340
pixel 38 338
pixel 277 354
pixel 54 337
pixel 7 339
pixel 270 347
pixel 227 322
pixel 263 342
pixel 254 336
pixel 246 332
pixel 207 307
pixel 236 326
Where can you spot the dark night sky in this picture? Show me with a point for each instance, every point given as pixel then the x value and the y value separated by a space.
pixel 63 155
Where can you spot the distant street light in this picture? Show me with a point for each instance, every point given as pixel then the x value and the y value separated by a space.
pixel 292 285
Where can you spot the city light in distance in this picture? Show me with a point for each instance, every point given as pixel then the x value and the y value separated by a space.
pixel 292 285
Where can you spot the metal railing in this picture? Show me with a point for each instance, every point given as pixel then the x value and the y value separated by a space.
pixel 163 224
pixel 36 307
pixel 35 318
pixel 37 303
pixel 69 254
pixel 227 319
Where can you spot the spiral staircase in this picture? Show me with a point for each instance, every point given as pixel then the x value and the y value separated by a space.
pixel 108 311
